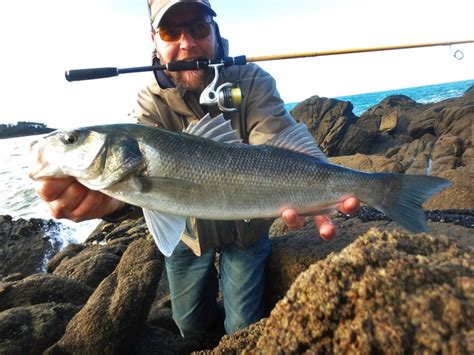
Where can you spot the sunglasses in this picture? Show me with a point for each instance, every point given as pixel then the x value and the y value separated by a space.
pixel 198 30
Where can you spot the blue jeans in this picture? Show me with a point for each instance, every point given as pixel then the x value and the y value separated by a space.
pixel 194 285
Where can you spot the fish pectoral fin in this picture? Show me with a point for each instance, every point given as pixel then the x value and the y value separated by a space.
pixel 298 139
pixel 215 128
pixel 165 184
pixel 166 229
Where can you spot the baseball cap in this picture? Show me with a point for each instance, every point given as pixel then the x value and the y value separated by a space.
pixel 158 8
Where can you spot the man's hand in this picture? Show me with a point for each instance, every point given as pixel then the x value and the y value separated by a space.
pixel 327 230
pixel 67 198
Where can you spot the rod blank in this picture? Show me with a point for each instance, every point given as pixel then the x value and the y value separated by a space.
pixel 351 51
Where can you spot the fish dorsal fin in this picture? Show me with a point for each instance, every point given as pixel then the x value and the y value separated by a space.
pixel 216 129
pixel 298 139
pixel 165 228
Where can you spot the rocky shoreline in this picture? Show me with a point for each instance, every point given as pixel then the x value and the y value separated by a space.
pixel 21 129
pixel 375 288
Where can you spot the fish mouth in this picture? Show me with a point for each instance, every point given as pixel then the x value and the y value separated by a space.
pixel 37 165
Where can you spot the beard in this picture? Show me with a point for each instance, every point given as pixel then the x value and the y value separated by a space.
pixel 192 80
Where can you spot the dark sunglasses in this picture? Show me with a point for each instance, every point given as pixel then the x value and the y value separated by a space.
pixel 198 30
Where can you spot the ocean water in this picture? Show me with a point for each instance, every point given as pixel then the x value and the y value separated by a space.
pixel 421 94
pixel 18 197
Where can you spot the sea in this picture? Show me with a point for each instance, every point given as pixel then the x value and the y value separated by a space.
pixel 19 200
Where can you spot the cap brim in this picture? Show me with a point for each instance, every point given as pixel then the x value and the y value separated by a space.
pixel 164 10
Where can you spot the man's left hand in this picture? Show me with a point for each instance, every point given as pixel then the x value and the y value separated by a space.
pixel 327 230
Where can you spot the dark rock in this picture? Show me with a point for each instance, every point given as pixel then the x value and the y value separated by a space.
pixel 326 119
pixel 42 288
pixel 91 265
pixel 115 313
pixel 68 252
pixel 414 156
pixel 456 120
pixel 32 329
pixel 357 140
pixel 12 277
pixel 424 123
pixel 417 288
pixel 109 233
pixel 25 244
pixel 158 340
pixel 452 116
pixel 392 115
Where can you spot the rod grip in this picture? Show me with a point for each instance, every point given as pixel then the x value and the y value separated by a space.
pixel 92 73
pixel 182 65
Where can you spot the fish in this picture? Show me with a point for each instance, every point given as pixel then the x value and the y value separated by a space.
pixel 206 172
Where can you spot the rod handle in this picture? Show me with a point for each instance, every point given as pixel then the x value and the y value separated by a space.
pixel 92 73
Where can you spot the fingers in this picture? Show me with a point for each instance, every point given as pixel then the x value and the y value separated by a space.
pixel 349 206
pixel 291 219
pixel 50 189
pixel 67 198
pixel 327 230
pixel 325 227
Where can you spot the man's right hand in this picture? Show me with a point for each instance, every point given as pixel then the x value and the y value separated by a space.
pixel 67 198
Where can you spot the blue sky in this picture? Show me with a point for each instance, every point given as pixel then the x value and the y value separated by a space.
pixel 40 40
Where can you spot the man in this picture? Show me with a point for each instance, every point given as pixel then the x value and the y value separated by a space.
pixel 185 31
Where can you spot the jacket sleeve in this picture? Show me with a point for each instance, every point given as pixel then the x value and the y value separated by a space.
pixel 263 108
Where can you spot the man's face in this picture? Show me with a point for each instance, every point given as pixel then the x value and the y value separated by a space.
pixel 186 47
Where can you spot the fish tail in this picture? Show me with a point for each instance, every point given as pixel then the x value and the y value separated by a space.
pixel 404 196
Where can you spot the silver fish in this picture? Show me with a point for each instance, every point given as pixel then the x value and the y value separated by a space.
pixel 207 173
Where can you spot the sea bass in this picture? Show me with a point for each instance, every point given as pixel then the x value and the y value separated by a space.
pixel 207 173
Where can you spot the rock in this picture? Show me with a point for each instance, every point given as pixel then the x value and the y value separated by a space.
pixel 117 310
pixel 91 265
pixel 412 293
pixel 424 123
pixel 68 252
pixel 447 154
pixel 326 119
pixel 452 116
pixel 157 340
pixel 123 232
pixel 389 123
pixel 392 115
pixel 24 244
pixel 356 140
pixel 42 288
pixel 294 251
pixel 456 118
pixel 414 156
pixel 236 343
pixel 458 196
pixel 32 329
pixel 368 163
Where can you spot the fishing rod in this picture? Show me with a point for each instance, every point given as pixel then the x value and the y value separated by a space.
pixel 226 96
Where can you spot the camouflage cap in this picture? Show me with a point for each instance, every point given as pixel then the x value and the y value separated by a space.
pixel 158 8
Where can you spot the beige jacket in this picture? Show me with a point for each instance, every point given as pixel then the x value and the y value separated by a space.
pixel 260 116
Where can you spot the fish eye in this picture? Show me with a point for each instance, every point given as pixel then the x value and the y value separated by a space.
pixel 69 137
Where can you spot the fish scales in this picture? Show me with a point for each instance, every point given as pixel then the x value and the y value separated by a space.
pixel 239 181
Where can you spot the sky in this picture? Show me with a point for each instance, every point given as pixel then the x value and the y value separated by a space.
pixel 40 40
